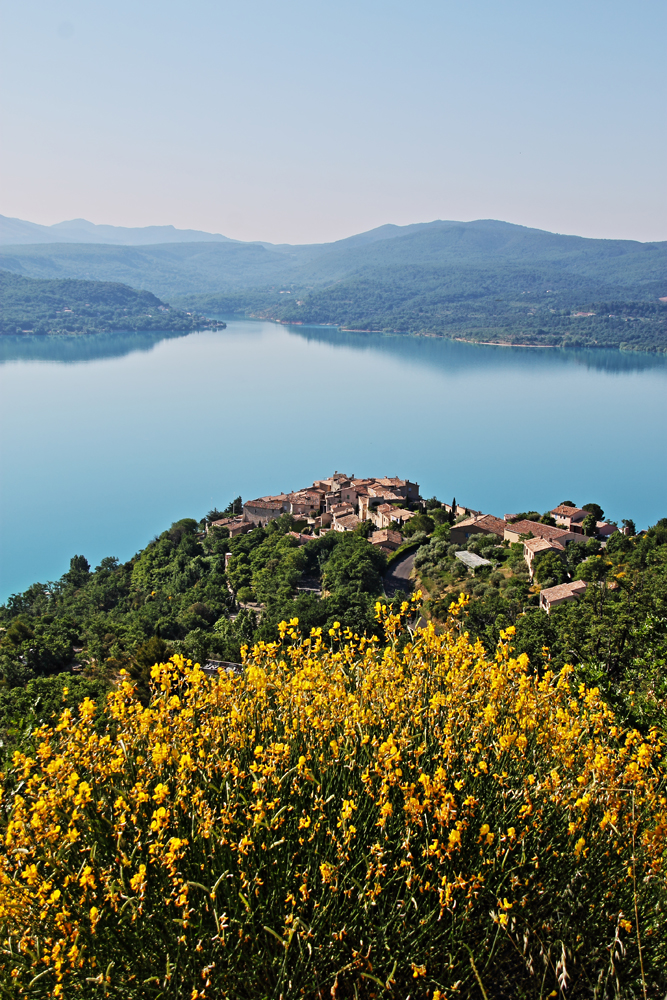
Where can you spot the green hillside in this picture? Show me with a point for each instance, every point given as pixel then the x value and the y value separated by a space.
pixel 482 280
pixel 475 305
pixel 179 594
pixel 68 306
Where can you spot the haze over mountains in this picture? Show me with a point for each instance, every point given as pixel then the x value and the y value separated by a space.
pixel 177 263
pixel 16 231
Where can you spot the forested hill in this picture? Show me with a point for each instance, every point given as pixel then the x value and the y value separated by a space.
pixel 484 280
pixel 68 306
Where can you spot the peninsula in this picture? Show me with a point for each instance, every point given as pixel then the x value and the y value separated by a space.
pixel 70 306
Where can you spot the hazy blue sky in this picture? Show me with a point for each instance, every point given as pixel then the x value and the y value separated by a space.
pixel 304 121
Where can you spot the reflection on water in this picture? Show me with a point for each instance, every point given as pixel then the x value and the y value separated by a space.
pixel 70 349
pixel 434 352
pixel 440 352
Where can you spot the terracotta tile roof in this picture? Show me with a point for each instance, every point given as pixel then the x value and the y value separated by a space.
pixel 538 530
pixel 264 504
pixel 487 521
pixel 564 511
pixel 341 508
pixel 563 591
pixel 348 522
pixel 385 535
pixel 301 539
pixel 541 544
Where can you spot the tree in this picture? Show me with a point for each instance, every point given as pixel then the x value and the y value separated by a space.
pixel 596 509
pixel 156 650
pixel 593 570
pixel 214 515
pixel 420 522
pixel 589 524
pixel 629 526
pixel 549 569
pixel 364 528
pixel 548 518
pixel 567 503
pixel 234 507
pixel 354 566
pixel 439 515
pixel 78 573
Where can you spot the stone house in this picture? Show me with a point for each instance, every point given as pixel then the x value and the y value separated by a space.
pixel 305 503
pixel 479 524
pixel 604 529
pixel 385 515
pixel 458 509
pixel 301 539
pixel 348 522
pixel 386 540
pixel 570 517
pixel 513 532
pixel 563 592
pixel 532 546
pixel 235 525
pixel 265 509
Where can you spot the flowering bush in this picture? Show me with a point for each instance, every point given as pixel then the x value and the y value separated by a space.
pixel 346 818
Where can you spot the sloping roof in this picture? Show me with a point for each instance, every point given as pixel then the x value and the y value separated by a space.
pixel 486 521
pixel 265 504
pixel 564 511
pixel 541 544
pixel 538 530
pixel 341 509
pixel 305 495
pixel 563 591
pixel 301 539
pixel 348 522
pixel 491 522
pixel 385 535
pixel 465 524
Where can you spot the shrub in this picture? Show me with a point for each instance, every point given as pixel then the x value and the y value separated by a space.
pixel 346 818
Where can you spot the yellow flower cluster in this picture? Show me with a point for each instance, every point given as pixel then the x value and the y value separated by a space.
pixel 345 817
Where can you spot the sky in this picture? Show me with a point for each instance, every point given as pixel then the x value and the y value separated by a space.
pixel 306 121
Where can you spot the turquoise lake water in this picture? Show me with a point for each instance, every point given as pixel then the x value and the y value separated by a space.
pixel 104 441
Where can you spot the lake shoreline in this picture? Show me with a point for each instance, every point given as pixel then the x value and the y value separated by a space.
pixel 441 336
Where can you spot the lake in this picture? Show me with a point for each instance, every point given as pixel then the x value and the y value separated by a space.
pixel 105 440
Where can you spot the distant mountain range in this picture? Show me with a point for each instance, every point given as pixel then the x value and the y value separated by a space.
pixel 18 232
pixel 484 279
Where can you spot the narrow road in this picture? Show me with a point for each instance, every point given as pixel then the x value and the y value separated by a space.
pixel 398 576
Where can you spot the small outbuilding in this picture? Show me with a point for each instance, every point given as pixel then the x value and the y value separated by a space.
pixel 472 560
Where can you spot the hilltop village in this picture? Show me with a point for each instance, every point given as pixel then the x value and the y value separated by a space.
pixel 383 509
pixel 340 503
